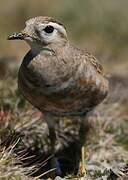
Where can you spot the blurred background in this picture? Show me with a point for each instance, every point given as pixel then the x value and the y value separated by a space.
pixel 100 27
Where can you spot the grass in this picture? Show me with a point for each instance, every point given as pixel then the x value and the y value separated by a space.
pixel 10 166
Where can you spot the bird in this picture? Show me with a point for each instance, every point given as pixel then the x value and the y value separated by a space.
pixel 56 77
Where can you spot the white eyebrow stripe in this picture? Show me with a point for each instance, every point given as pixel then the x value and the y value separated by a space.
pixel 58 27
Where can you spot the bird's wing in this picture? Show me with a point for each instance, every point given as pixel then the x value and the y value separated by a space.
pixel 97 65
pixel 89 58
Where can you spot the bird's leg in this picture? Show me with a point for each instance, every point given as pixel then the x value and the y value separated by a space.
pixel 83 131
pixel 82 168
pixel 52 136
pixel 83 164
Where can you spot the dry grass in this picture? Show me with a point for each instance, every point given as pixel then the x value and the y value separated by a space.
pixel 10 165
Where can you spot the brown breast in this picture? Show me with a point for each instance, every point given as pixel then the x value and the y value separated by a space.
pixel 73 94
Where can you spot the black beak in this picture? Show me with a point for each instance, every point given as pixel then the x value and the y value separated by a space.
pixel 17 36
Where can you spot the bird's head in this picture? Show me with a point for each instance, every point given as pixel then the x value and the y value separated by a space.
pixel 42 31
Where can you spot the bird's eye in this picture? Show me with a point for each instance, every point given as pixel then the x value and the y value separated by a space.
pixel 49 29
